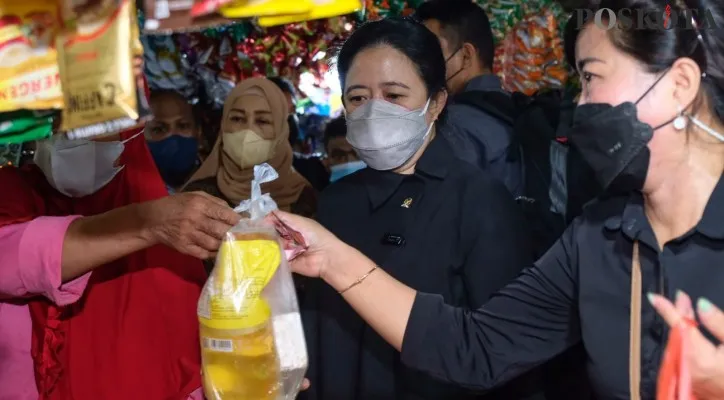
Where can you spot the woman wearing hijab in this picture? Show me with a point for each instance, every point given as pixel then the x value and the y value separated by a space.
pixel 254 130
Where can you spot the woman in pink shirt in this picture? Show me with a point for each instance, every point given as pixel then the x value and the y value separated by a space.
pixel 127 329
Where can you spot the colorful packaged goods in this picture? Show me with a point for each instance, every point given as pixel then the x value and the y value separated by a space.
pixel 166 16
pixel 25 126
pixel 320 9
pixel 252 340
pixel 531 57
pixel 28 61
pixel 97 53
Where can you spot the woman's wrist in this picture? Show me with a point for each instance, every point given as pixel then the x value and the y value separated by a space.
pixel 346 267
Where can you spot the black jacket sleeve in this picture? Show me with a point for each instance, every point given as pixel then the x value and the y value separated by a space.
pixel 500 250
pixel 528 322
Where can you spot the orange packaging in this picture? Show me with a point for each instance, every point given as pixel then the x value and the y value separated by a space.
pixel 29 76
pixel 674 381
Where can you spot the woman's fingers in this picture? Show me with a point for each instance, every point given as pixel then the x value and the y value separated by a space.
pixel 666 309
pixel 711 317
pixel 305 384
pixel 684 305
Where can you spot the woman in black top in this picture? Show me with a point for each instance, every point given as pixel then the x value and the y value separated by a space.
pixel 660 230
pixel 428 219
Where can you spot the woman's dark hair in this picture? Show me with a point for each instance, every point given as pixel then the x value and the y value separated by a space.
pixel 411 38
pixel 659 48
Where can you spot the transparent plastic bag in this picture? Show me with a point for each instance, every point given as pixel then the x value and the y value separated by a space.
pixel 252 340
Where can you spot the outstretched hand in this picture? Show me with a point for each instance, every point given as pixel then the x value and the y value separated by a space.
pixel 705 359
pixel 323 248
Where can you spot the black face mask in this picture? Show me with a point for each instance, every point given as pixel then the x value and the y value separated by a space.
pixel 450 58
pixel 614 142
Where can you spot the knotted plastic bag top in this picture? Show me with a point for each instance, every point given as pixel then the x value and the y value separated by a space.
pixel 259 205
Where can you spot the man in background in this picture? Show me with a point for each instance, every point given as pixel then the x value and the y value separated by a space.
pixel 341 158
pixel 291 94
pixel 310 167
pixel 173 136
pixel 467 44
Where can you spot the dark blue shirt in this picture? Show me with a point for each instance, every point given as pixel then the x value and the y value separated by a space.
pixel 482 139
pixel 580 291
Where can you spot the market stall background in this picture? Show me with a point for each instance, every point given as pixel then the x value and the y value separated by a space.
pixel 203 64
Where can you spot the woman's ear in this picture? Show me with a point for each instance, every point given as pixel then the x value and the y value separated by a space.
pixel 686 75
pixel 437 104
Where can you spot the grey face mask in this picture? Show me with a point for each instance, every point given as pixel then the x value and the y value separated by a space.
pixel 385 135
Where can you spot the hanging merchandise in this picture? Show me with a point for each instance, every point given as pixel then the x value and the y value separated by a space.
pixel 25 126
pixel 10 155
pixel 208 64
pixel 28 60
pixel 260 8
pixel 96 56
pixel 376 9
pixel 167 16
pixel 531 56
pixel 252 340
pixel 321 9
pixel 529 52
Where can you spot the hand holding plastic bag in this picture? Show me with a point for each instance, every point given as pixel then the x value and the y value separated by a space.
pixel 252 340
pixel 693 366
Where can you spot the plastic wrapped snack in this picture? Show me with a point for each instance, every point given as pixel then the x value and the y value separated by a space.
pixel 252 341
pixel 96 59
pixel 28 60
pixel 530 58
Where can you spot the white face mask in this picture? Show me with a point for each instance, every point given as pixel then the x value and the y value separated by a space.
pixel 247 148
pixel 78 168
pixel 386 135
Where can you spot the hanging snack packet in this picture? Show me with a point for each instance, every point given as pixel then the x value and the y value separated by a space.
pixel 321 9
pixel 169 16
pixel 252 340
pixel 25 126
pixel 262 8
pixel 28 60
pixel 96 60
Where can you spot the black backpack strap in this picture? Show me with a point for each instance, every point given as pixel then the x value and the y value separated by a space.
pixel 496 104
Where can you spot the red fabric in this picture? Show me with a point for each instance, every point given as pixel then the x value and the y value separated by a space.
pixel 134 334
pixel 674 376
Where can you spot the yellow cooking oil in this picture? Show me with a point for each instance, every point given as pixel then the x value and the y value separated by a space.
pixel 240 359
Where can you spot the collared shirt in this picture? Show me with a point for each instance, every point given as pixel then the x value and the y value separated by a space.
pixel 447 229
pixel 482 139
pixel 579 291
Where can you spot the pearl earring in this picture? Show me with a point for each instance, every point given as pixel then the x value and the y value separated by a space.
pixel 680 122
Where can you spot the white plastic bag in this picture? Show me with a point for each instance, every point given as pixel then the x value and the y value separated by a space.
pixel 252 340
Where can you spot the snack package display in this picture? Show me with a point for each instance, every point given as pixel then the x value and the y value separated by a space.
pixel 252 340
pixel 96 59
pixel 530 57
pixel 674 382
pixel 28 61
pixel 10 155
pixel 166 16
pixel 25 126
pixel 321 9
pixel 261 8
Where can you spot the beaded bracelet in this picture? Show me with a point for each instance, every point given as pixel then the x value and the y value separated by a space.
pixel 358 281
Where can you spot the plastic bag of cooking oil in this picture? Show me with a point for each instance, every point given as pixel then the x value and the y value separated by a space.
pixel 252 341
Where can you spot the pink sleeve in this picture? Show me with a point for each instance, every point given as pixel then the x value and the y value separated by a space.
pixel 30 258
pixel 198 394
